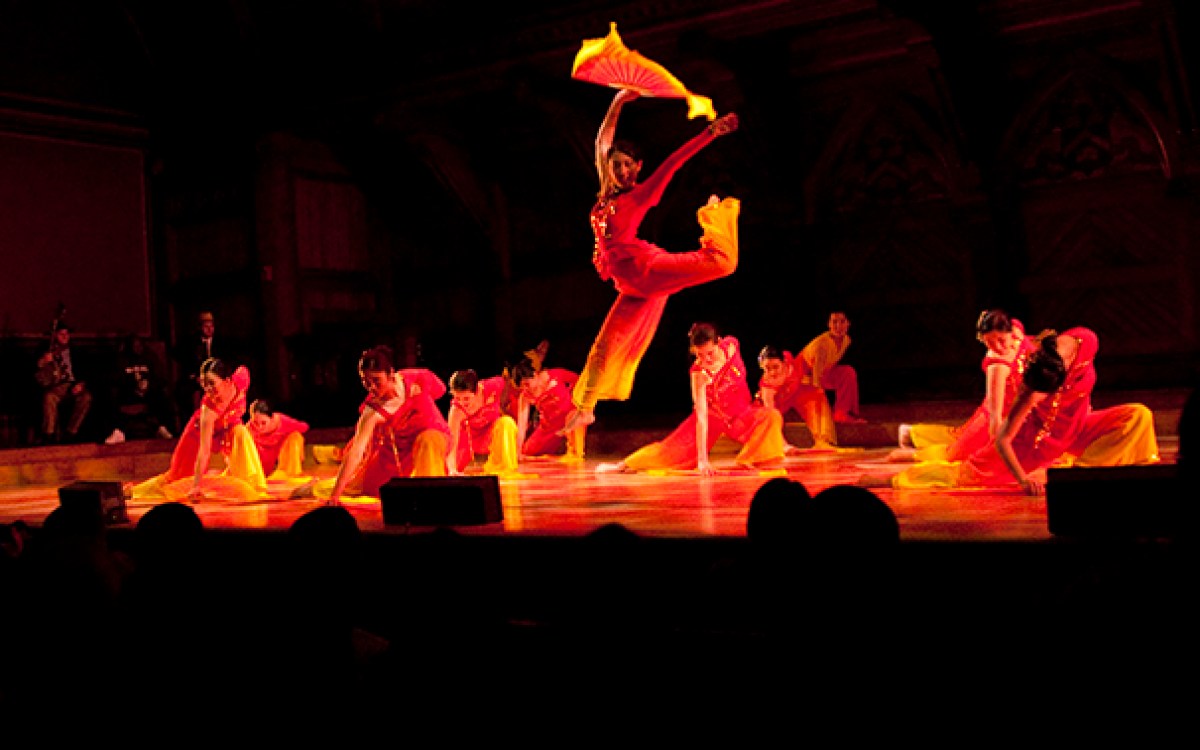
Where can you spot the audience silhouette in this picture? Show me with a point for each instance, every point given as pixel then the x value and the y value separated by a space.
pixel 325 650
pixel 176 617
pixel 63 612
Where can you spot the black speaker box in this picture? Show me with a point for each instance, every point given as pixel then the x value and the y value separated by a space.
pixel 105 498
pixel 1115 501
pixel 441 501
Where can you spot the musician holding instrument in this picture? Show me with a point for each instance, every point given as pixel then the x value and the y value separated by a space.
pixel 57 376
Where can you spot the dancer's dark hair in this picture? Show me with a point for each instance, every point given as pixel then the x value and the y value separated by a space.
pixel 464 380
pixel 377 359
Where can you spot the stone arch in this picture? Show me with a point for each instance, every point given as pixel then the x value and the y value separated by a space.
pixel 1085 121
pixel 883 153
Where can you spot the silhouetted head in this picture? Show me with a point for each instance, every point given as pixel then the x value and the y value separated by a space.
pixel 1189 462
pixel 327 539
pixel 777 513
pixel 168 531
pixel 847 516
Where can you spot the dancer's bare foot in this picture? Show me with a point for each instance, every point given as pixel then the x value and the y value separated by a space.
pixel 610 467
pixel 900 455
pixel 577 418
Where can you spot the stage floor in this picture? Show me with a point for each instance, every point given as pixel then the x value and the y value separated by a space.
pixel 558 499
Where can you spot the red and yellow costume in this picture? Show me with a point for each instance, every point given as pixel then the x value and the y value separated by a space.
pixel 731 411
pixel 490 430
pixel 821 358
pixel 644 274
pixel 936 442
pixel 413 438
pixel 806 399
pixel 553 407
pixel 1061 429
pixel 243 477
pixel 281 446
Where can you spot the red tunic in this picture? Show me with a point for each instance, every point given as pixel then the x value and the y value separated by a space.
pixel 183 460
pixel 731 411
pixel 390 451
pixel 793 392
pixel 1051 428
pixel 553 407
pixel 619 254
pixel 973 434
pixel 270 441
pixel 477 426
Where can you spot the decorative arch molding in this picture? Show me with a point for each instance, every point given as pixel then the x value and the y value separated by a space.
pixel 1083 122
pixel 883 154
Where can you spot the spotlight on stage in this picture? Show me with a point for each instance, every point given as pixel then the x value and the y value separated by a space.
pixel 441 501
pixel 1115 502
pixel 107 499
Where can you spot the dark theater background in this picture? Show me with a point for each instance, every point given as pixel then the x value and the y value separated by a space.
pixel 329 175
pixel 326 176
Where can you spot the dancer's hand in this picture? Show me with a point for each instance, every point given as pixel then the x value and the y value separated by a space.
pixel 724 125
pixel 1031 486
pixel 704 468
pixel 195 495
pixel 625 96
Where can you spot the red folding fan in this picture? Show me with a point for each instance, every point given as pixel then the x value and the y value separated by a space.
pixel 608 62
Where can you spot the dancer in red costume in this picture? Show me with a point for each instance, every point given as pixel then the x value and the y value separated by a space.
pixel 782 386
pixel 479 425
pixel 216 426
pixel 280 441
pixel 1008 350
pixel 1051 422
pixel 400 431
pixel 549 392
pixel 643 274
pixel 722 405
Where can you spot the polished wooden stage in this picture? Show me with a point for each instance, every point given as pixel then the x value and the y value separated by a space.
pixel 559 499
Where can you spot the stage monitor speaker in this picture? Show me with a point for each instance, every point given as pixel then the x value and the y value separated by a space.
pixel 1114 501
pixel 441 501
pixel 105 498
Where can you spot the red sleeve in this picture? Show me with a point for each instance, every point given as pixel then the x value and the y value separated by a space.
pixel 288 425
pixel 427 381
pixel 241 378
